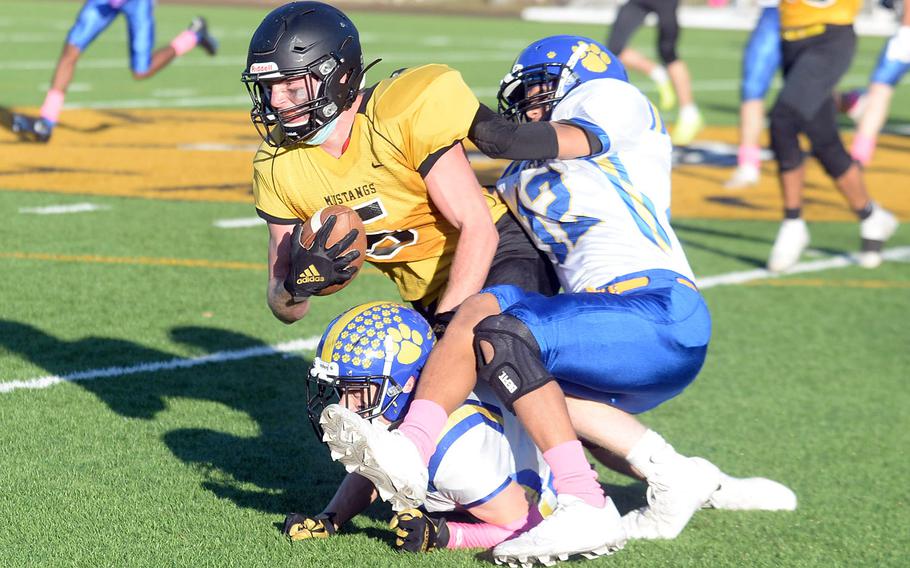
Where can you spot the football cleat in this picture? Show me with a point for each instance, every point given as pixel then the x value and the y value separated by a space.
pixel 751 494
pixel 792 239
pixel 743 176
pixel 677 488
pixel 32 129
pixel 200 27
pixel 875 230
pixel 388 459
pixel 687 128
pixel 574 528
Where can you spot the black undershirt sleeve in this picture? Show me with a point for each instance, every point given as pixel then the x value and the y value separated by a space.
pixel 498 137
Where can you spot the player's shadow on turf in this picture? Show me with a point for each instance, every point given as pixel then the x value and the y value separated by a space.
pixel 274 464
pixel 270 463
pixel 685 232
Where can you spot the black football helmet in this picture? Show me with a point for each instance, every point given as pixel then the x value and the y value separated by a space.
pixel 293 41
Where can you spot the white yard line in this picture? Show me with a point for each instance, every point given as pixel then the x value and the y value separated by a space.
pixel 843 261
pixel 894 254
pixel 241 223
pixel 62 209
pixel 307 344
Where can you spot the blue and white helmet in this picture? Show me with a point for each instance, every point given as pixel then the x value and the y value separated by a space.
pixel 558 64
pixel 365 359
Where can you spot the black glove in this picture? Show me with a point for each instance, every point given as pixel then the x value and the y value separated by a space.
pixel 889 4
pixel 301 527
pixel 316 268
pixel 416 531
pixel 441 321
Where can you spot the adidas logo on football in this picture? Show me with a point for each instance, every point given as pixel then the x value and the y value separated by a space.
pixel 507 382
pixel 310 275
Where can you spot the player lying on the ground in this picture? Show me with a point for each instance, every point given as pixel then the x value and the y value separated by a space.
pixel 94 18
pixel 369 359
pixel 630 332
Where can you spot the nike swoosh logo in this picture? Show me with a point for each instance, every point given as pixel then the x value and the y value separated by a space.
pixel 377 165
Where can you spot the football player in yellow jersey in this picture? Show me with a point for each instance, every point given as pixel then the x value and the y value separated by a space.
pixel 393 153
pixel 817 46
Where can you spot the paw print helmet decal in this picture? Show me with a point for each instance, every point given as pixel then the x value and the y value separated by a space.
pixel 366 360
pixel 556 64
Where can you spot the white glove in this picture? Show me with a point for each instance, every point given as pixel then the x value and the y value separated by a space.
pixel 899 46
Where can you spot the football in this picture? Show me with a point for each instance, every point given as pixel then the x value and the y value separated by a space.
pixel 346 220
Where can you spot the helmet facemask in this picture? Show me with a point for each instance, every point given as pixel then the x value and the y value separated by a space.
pixel 370 396
pixel 297 123
pixel 513 99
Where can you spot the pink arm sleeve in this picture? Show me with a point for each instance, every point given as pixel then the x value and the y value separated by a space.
pixel 486 535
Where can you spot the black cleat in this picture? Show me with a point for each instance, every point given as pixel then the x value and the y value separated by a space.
pixel 200 27
pixel 32 129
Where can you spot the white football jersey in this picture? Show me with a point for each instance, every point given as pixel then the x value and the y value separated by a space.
pixel 482 448
pixel 608 215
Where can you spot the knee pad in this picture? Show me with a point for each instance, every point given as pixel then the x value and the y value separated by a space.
pixel 785 128
pixel 832 155
pixel 666 48
pixel 616 44
pixel 827 147
pixel 516 368
pixel 668 34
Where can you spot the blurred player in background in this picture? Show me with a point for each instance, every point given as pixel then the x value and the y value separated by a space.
pixel 485 467
pixel 818 43
pixel 672 78
pixel 94 18
pixel 630 331
pixel 893 63
pixel 761 60
pixel 393 152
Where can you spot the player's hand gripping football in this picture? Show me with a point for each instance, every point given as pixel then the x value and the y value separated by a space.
pixel 415 531
pixel 301 527
pixel 317 267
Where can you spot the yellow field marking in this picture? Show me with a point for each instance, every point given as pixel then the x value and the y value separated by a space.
pixel 134 260
pixel 207 156
pixel 823 283
pixel 150 261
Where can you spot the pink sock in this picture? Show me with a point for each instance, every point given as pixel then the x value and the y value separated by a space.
pixel 184 42
pixel 53 104
pixel 486 535
pixel 749 155
pixel 862 149
pixel 572 474
pixel 423 424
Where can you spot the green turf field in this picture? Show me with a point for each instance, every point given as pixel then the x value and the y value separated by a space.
pixel 806 379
